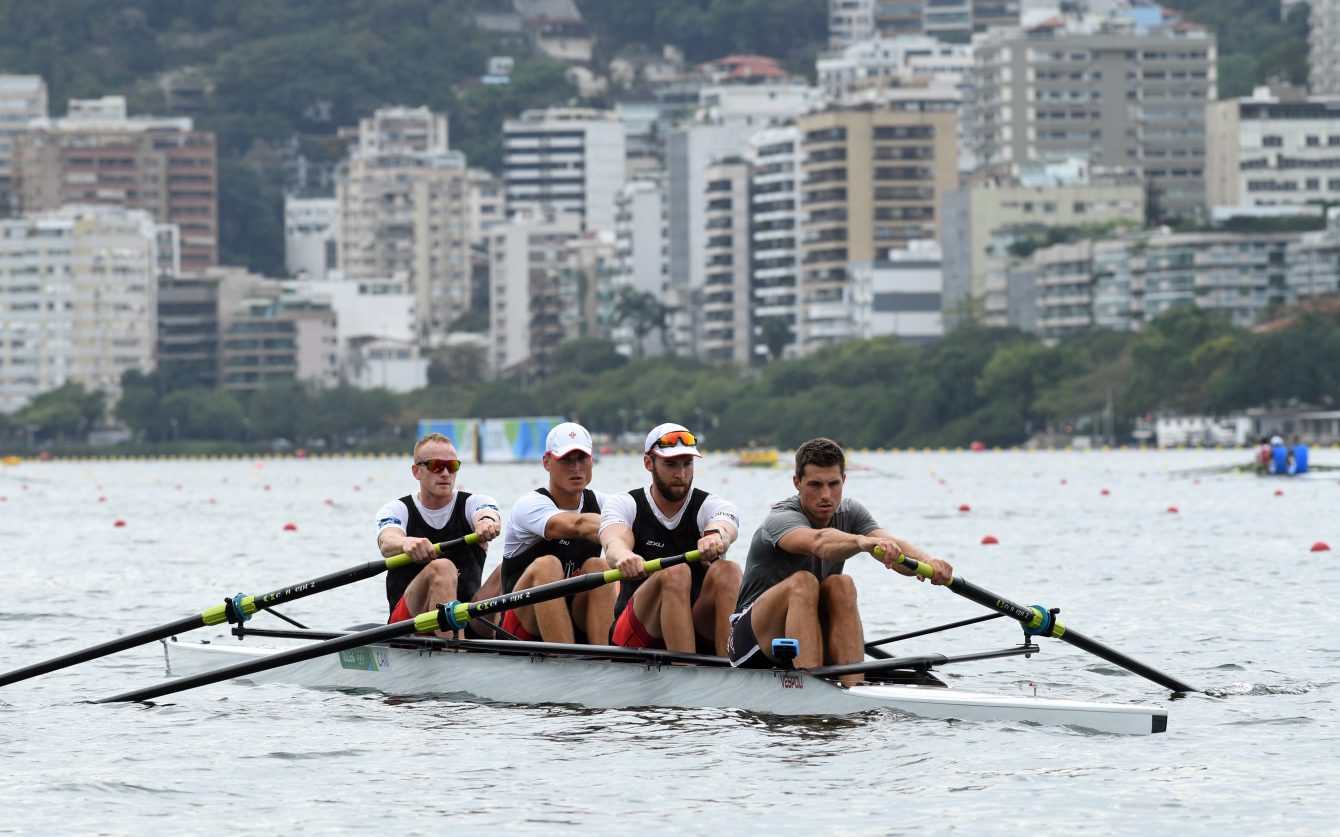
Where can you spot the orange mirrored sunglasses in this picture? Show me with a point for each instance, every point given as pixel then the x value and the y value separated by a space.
pixel 675 438
pixel 437 466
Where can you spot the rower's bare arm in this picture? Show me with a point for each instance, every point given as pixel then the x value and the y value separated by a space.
pixel 573 525
pixel 393 541
pixel 617 541
pixel 488 525
pixel 825 544
pixel 716 539
pixel 944 571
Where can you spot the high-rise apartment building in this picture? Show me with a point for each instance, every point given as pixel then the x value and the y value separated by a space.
pixel 1272 150
pixel 78 291
pixel 724 327
pixel 99 155
pixel 872 181
pixel 852 21
pixel 22 99
pixel 404 214
pixel 774 205
pixel 1120 93
pixel 641 267
pixel 1323 41
pixel 527 256
pixel 570 159
pixel 310 236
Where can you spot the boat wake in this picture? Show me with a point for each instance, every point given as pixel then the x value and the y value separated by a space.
pixel 1260 690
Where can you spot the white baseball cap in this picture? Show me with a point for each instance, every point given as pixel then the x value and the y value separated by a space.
pixel 686 445
pixel 1276 440
pixel 567 437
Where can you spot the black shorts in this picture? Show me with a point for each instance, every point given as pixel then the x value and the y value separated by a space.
pixel 742 648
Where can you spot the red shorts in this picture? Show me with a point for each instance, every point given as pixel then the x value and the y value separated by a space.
pixel 513 626
pixel 401 612
pixel 630 633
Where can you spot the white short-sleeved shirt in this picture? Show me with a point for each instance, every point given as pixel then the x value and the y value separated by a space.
pixel 620 508
pixel 530 514
pixel 396 514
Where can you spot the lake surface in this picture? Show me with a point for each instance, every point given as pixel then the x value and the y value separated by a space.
pixel 1224 594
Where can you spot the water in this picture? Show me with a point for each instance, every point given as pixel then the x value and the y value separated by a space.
pixel 1224 594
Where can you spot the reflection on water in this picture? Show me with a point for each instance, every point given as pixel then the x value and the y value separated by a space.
pixel 1089 533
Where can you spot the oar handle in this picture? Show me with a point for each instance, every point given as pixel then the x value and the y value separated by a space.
pixel 921 568
pixel 1039 621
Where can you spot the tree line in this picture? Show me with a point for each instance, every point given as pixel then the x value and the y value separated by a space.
pixel 978 383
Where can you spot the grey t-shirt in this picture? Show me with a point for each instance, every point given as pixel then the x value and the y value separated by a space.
pixel 769 564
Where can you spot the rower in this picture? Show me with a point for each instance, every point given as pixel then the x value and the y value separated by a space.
pixel 552 534
pixel 683 608
pixel 437 512
pixel 794 585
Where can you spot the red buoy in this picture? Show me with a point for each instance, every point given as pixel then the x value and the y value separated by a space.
pixel 1279 492
pixel 329 502
pixel 118 524
pixel 267 488
pixel 965 508
pixel 290 527
pixel 988 540
pixel 1321 546
pixel 1172 510
pixel 1105 492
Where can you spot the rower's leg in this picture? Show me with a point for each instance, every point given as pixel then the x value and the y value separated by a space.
pixel 716 602
pixel 790 608
pixel 547 620
pixel 844 638
pixel 435 584
pixel 594 609
pixel 661 604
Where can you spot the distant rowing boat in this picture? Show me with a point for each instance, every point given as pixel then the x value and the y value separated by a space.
pixel 757 458
pixel 607 678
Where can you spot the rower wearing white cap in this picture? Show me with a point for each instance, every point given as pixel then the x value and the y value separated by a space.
pixel 687 607
pixel 552 534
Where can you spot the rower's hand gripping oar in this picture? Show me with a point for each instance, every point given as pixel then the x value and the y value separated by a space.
pixel 447 617
pixel 1039 621
pixel 235 610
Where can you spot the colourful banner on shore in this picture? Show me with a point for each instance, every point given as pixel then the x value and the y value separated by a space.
pixel 495 439
pixel 515 439
pixel 463 433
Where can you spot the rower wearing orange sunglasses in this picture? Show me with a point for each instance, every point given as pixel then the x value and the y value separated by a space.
pixel 687 607
pixel 437 512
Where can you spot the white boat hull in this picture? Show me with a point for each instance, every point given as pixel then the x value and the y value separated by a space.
pixel 597 684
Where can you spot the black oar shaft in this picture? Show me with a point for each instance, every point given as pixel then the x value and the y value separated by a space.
pixel 1025 615
pixel 1029 617
pixel 219 613
pixel 123 643
pixel 440 620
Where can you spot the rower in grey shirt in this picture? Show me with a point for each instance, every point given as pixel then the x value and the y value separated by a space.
pixel 768 563
pixel 794 585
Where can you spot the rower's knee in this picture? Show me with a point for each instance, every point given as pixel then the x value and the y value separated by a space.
pixel 595 565
pixel 724 573
pixel 543 570
pixel 439 572
pixel 803 587
pixel 676 581
pixel 838 590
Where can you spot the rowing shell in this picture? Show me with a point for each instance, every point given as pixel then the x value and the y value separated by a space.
pixel 545 678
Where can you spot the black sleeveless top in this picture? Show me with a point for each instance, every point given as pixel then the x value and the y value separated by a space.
pixel 570 553
pixel 652 539
pixel 468 558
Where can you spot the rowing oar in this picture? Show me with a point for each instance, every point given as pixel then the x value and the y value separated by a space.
pixel 1038 621
pixel 237 609
pixel 447 617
